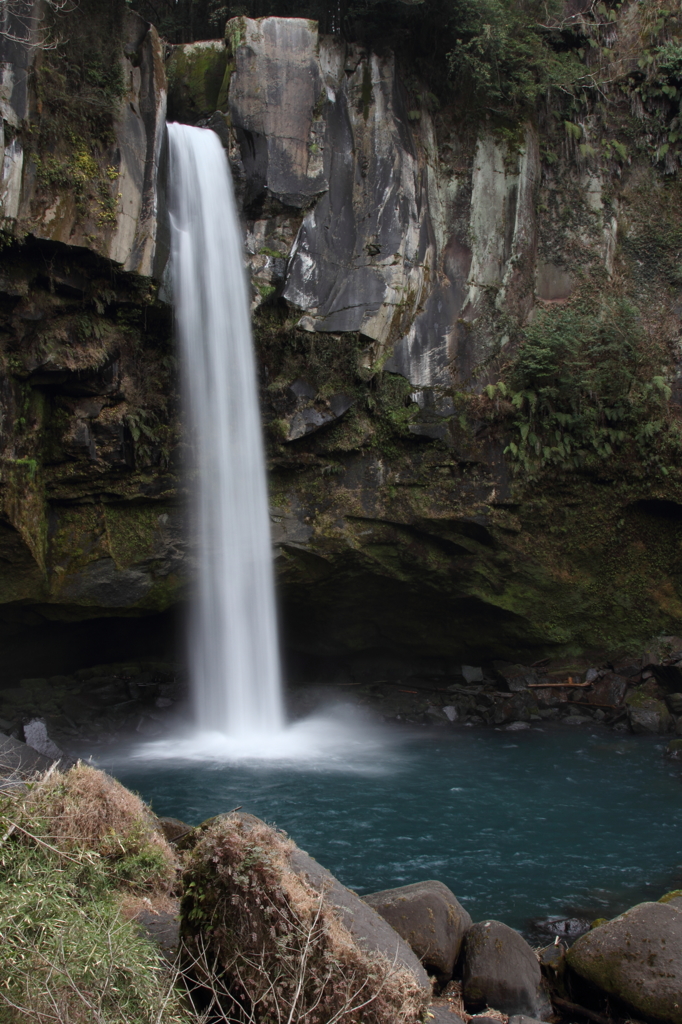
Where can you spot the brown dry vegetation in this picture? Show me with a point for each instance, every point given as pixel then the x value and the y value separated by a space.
pixel 87 809
pixel 72 848
pixel 276 944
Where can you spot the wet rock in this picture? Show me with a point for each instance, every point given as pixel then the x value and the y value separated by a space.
pixel 312 412
pixel 635 960
pixel 472 674
pixel 430 919
pixel 520 1018
pixel 646 713
pixel 517 726
pixel 450 712
pixel 674 750
pixel 501 970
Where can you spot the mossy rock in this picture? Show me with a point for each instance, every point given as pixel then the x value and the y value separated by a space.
pixel 198 80
pixel 675 895
pixel 634 960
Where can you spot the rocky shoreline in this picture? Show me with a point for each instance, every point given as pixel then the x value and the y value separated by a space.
pixel 243 905
pixel 106 704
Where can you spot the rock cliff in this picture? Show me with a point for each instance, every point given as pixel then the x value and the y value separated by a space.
pixel 468 337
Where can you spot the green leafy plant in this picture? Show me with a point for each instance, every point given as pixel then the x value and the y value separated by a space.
pixel 586 385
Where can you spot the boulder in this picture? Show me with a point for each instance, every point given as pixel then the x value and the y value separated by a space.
pixel 430 919
pixel 440 1012
pixel 35 734
pixel 366 926
pixel 502 971
pixel 635 960
pixel 259 907
pixel 647 713
pixel 674 702
pixel 674 750
pixel 174 829
pixel 674 898
pixel 18 761
pixel 515 677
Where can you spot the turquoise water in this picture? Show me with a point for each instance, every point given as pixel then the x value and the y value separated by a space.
pixel 545 822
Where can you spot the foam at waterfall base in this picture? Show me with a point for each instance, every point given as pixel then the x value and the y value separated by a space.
pixel 340 737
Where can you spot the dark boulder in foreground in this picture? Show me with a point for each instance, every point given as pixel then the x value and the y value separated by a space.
pixel 635 961
pixel 430 919
pixel 441 1012
pixel 18 761
pixel 502 971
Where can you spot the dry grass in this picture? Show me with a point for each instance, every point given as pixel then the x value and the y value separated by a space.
pixel 270 948
pixel 72 847
pixel 87 810
pixel 453 999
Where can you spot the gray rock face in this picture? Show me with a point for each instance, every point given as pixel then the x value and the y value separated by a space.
pixel 311 412
pixel 333 128
pixel 274 105
pixel 636 959
pixel 502 971
pixel 135 154
pixel 430 919
pixel 35 734
pixel 364 923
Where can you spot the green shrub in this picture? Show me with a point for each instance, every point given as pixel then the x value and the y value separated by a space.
pixel 587 384
pixel 70 848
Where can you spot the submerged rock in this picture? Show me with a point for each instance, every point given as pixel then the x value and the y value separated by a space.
pixel 502 971
pixel 430 919
pixel 636 959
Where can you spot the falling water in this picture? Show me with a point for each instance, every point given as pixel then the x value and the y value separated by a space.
pixel 234 658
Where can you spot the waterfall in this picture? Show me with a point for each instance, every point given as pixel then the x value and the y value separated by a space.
pixel 233 646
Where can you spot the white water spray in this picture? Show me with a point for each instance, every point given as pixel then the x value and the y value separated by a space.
pixel 234 656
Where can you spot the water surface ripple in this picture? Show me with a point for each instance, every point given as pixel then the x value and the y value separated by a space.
pixel 518 825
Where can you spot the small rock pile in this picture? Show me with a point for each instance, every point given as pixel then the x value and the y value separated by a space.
pixel 633 694
pixel 95 705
